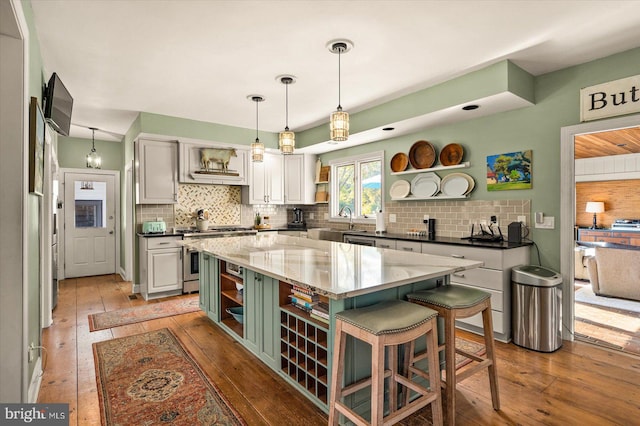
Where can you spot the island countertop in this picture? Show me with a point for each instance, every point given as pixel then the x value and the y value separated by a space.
pixel 336 270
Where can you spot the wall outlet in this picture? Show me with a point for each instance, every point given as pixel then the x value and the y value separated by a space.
pixel 483 222
pixel 326 216
pixel 425 217
pixel 549 222
pixel 522 220
pixel 312 215
pixel 392 218
pixel 158 219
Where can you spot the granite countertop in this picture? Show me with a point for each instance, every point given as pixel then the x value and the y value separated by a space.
pixel 336 270
pixel 159 234
pixel 442 240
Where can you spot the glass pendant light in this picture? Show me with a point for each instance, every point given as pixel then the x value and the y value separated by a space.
pixel 286 139
pixel 339 120
pixel 257 147
pixel 93 159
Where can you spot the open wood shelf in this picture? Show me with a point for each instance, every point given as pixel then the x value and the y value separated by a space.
pixel 432 169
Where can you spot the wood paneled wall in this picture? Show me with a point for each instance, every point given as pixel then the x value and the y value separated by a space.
pixel 621 201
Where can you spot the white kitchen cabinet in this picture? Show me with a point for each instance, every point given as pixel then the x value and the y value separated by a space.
pixel 413 246
pixel 299 179
pixel 266 182
pixel 386 243
pixel 157 172
pixel 494 278
pixel 160 267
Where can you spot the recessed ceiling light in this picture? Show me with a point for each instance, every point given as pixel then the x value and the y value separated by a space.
pixel 388 129
pixel 470 107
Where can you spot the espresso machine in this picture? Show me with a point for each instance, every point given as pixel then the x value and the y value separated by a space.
pixel 298 220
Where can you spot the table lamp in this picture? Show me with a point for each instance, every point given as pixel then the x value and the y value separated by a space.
pixel 594 207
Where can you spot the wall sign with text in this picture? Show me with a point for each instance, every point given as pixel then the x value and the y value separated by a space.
pixel 618 97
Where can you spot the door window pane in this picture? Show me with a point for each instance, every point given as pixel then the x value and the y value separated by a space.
pixel 90 204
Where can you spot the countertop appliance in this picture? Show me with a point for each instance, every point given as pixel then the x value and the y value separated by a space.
pixel 155 227
pixel 298 220
pixel 626 225
pixel 191 267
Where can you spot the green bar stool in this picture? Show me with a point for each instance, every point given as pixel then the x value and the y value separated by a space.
pixel 386 324
pixel 454 302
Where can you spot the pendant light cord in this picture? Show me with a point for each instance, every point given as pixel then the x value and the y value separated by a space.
pixel 93 140
pixel 256 101
pixel 339 80
pixel 286 125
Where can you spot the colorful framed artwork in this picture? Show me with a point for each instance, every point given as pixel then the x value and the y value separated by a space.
pixel 36 148
pixel 509 171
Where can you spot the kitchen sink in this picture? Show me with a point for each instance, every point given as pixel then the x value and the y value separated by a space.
pixel 329 234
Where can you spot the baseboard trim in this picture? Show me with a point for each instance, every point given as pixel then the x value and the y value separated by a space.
pixel 123 274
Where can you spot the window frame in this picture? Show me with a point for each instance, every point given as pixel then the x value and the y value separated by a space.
pixel 356 161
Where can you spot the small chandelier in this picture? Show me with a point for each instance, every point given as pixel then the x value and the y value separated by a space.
pixel 93 159
pixel 286 139
pixel 257 147
pixel 339 120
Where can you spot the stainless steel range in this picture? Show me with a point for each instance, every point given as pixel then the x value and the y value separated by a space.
pixel 191 267
pixel 626 225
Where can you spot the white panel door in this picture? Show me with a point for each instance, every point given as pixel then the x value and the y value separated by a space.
pixel 90 212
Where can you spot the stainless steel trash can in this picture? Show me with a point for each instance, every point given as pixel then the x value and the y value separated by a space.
pixel 536 308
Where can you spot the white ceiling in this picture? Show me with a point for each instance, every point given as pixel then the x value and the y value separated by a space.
pixel 200 59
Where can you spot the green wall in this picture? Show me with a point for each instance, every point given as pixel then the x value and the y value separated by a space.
pixel 32 216
pixel 72 153
pixel 536 127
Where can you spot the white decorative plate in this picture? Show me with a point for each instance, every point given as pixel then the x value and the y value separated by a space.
pixel 400 189
pixel 454 185
pixel 425 185
pixel 472 183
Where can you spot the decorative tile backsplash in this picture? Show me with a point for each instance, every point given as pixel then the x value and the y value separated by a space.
pixel 453 217
pixel 222 201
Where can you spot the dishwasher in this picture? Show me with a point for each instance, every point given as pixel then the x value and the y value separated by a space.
pixel 362 241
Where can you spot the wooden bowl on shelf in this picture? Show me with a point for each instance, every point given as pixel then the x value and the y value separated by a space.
pixel 399 162
pixel 422 155
pixel 451 154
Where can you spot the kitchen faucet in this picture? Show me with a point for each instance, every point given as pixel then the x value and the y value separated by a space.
pixel 341 213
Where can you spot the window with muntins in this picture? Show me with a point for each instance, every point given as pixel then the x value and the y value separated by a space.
pixel 356 186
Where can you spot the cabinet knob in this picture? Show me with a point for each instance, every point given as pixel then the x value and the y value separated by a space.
pixel 457 256
pixel 459 275
pixel 407 248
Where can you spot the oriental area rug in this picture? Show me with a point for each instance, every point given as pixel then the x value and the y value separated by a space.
pixel 103 320
pixel 150 378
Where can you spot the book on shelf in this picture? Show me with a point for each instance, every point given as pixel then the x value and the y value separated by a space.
pixel 306 297
pixel 301 307
pixel 319 318
pixel 298 289
pixel 304 303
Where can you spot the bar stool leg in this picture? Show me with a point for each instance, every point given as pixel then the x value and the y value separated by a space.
pixel 434 374
pixel 487 322
pixel 377 383
pixel 450 365
pixel 337 371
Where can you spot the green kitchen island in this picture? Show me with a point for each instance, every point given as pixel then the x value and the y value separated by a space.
pixel 342 276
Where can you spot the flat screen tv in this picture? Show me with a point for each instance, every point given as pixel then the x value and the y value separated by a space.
pixel 58 105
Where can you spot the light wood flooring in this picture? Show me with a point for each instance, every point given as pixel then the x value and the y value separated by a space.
pixel 580 384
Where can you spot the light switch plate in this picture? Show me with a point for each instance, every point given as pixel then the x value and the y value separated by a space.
pixel 522 219
pixel 312 215
pixel 548 223
pixel 326 216
pixel 392 218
